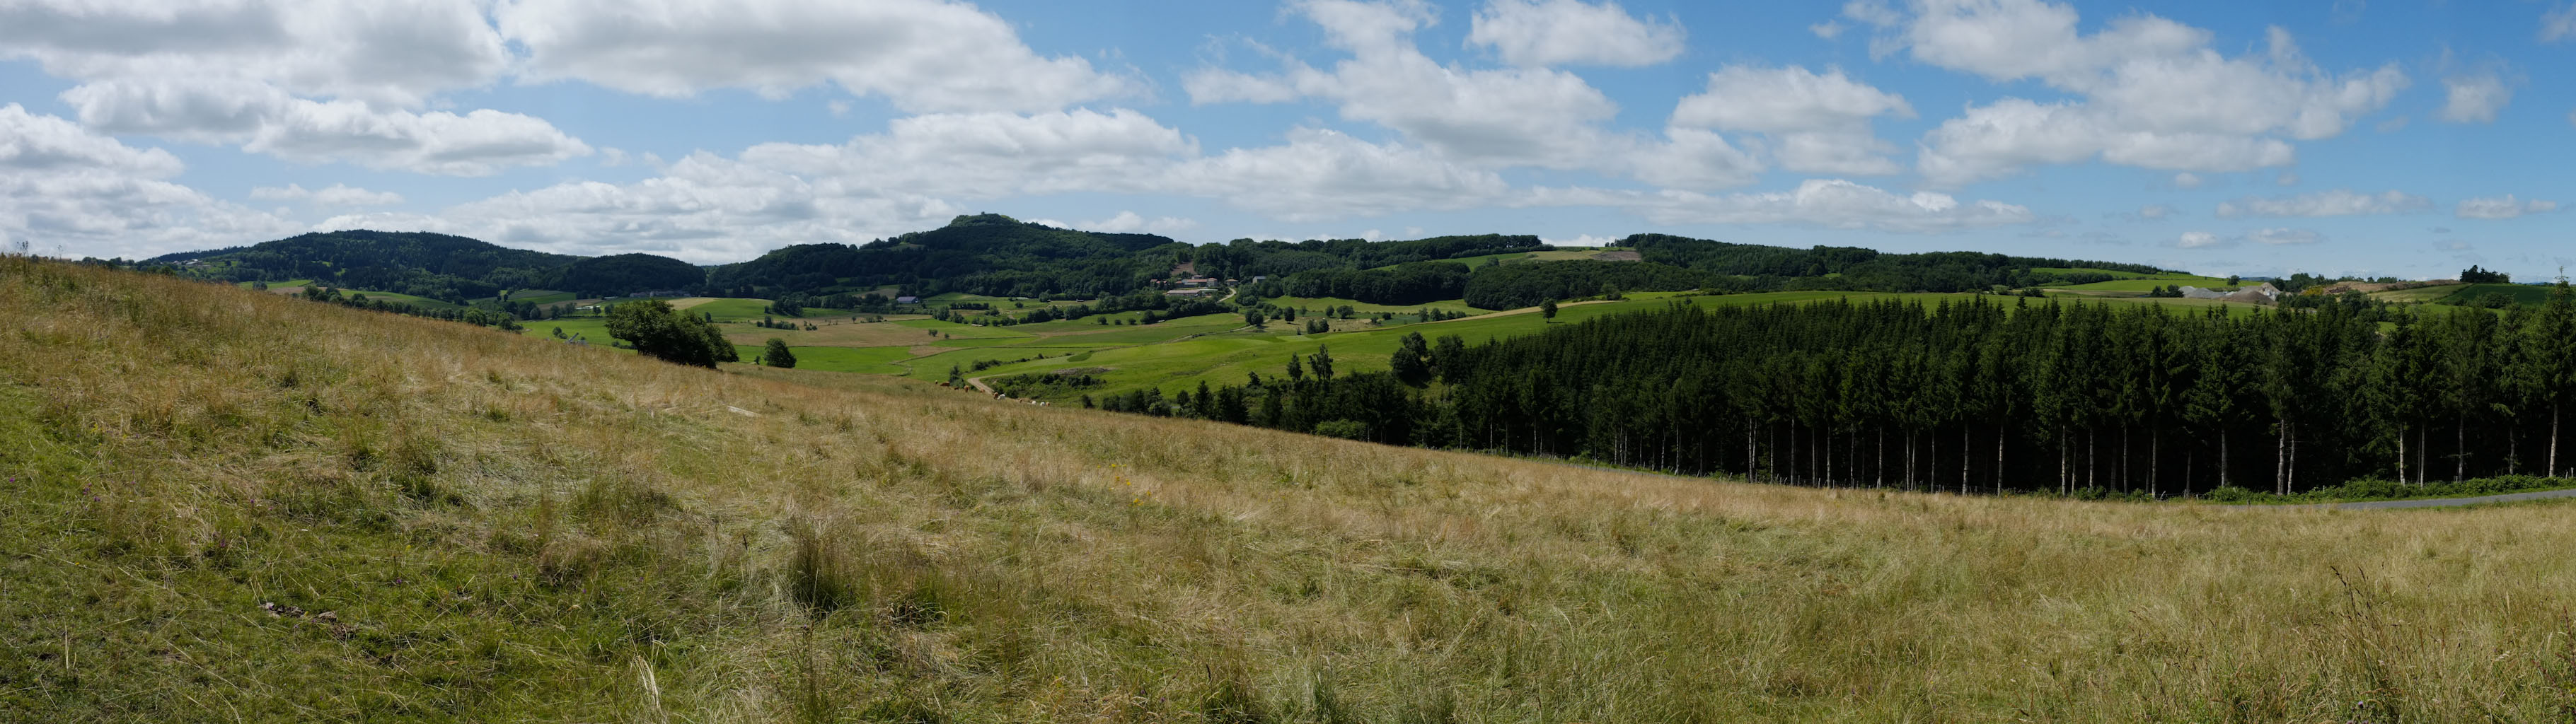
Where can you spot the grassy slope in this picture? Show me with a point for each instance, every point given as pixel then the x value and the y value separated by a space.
pixel 506 529
pixel 518 530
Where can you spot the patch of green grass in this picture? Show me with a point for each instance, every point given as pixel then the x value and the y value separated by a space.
pixel 2147 284
pixel 738 309
pixel 1318 304
pixel 421 302
pixel 2468 294
pixel 954 330
pixel 864 360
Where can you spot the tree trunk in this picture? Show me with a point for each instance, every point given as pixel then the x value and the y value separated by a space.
pixel 2222 458
pixel 2460 455
pixel 2553 439
pixel 2401 452
pixel 1999 458
pixel 2280 454
pixel 1963 457
pixel 2155 459
pixel 1878 468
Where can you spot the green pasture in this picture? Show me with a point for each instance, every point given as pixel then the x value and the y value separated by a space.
pixel 865 360
pixel 1319 304
pixel 2519 293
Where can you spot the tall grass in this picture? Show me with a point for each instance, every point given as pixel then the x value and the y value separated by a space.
pixel 512 529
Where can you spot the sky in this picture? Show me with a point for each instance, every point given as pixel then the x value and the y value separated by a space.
pixel 2358 137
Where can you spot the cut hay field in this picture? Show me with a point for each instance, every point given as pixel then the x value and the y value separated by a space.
pixel 228 506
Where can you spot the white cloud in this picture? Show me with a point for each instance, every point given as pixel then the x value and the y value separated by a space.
pixel 2502 207
pixel 2152 212
pixel 250 73
pixel 991 155
pixel 2186 180
pixel 1128 222
pixel 2475 98
pixel 1830 203
pixel 336 195
pixel 2200 240
pixel 1581 240
pixel 1827 30
pixel 2282 236
pixel 396 52
pixel 62 186
pixel 923 55
pixel 1781 100
pixel 2559 24
pixel 2151 92
pixel 1322 174
pixel 1570 32
pixel 2287 178
pixel 2339 202
pixel 1692 158
pixel 1815 123
pixel 1485 117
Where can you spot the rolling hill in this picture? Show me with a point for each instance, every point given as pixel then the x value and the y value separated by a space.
pixel 240 506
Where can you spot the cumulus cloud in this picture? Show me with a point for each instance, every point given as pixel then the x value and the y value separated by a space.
pixel 2339 202
pixel 2186 180
pixel 2475 98
pixel 1829 203
pixel 2559 24
pixel 2502 207
pixel 308 81
pixel 1128 222
pixel 2281 236
pixel 922 55
pixel 1488 117
pixel 2200 240
pixel 63 186
pixel 1570 32
pixel 1321 174
pixel 336 195
pixel 1813 123
pixel 397 52
pixel 2148 92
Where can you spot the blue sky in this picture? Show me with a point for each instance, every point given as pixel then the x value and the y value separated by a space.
pixel 2374 138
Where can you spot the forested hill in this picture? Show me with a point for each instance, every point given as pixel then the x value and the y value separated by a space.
pixel 1858 269
pixel 437 266
pixel 981 254
pixel 997 255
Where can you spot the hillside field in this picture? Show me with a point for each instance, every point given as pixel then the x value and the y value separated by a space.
pixel 247 507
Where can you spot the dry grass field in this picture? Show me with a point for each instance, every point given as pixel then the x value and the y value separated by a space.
pixel 231 506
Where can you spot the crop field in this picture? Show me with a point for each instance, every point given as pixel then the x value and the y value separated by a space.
pixel 2519 293
pixel 2144 284
pixel 1318 304
pixel 2420 294
pixel 253 508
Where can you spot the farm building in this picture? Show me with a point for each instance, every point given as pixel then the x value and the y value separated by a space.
pixel 907 300
pixel 1198 292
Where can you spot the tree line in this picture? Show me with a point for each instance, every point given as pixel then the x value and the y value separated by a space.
pixel 1975 395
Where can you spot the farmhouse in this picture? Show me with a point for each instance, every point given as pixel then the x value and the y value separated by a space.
pixel 1199 292
pixel 907 300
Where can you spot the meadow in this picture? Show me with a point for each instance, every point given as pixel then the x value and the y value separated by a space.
pixel 235 506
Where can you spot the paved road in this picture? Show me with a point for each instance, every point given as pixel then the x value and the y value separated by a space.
pixel 2425 503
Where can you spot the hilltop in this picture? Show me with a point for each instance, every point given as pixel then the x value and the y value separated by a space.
pixel 235 505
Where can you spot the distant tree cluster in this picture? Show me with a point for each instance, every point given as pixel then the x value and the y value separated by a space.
pixel 2117 399
pixel 656 330
pixel 2475 275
